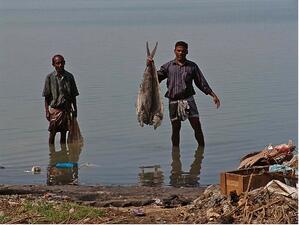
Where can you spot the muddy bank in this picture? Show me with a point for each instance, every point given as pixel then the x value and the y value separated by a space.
pixel 119 204
pixel 139 205
pixel 105 196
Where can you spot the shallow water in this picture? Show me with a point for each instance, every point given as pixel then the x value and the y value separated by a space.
pixel 246 49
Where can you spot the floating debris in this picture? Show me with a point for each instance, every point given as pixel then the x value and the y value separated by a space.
pixel 36 169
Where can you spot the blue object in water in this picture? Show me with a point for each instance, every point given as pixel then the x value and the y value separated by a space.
pixel 66 165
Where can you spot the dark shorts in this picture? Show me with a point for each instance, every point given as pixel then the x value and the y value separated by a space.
pixel 173 109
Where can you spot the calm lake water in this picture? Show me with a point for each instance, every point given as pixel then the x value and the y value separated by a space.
pixel 246 49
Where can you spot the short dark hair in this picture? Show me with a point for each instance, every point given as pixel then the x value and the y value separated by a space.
pixel 181 43
pixel 55 56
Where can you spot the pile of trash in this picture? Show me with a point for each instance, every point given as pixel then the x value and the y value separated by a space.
pixel 280 160
pixel 276 203
pixel 277 155
pixel 270 194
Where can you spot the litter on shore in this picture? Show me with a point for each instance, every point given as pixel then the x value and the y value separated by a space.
pixel 264 189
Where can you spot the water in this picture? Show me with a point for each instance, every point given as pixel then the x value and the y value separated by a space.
pixel 246 49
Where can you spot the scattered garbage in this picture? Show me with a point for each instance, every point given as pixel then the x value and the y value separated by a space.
pixel 273 163
pixel 36 169
pixel 138 212
pixel 268 156
pixel 158 202
pixel 278 187
pixel 264 189
pixel 243 179
pixel 260 206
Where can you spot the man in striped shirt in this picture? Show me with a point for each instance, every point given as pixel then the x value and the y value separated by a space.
pixel 180 73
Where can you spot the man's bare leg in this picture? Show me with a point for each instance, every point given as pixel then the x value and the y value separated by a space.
pixel 175 137
pixel 62 137
pixel 194 121
pixel 52 137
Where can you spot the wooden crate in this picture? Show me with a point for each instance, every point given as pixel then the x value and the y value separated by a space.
pixel 238 180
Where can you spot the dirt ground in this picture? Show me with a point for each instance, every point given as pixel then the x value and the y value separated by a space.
pixel 121 204
pixel 144 205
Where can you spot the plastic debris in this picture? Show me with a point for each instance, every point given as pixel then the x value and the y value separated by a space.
pixel 138 212
pixel 66 165
pixel 268 156
pixel 158 201
pixel 278 187
pixel 36 169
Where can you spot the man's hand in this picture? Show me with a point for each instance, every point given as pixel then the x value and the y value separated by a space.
pixel 149 60
pixel 215 99
pixel 48 115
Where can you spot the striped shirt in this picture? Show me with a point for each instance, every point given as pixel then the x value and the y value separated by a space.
pixel 179 79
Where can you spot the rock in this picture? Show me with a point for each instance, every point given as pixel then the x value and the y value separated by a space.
pixel 89 203
pixel 175 201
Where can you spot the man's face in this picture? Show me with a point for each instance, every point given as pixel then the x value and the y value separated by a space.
pixel 180 53
pixel 58 63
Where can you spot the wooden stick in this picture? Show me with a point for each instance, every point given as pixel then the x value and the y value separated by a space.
pixel 265 206
pixel 246 195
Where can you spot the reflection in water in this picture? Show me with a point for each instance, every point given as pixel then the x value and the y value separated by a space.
pixel 179 178
pixel 151 176
pixel 63 164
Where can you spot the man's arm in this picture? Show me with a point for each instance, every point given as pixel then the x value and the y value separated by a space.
pixel 215 99
pixel 162 75
pixel 47 109
pixel 201 82
pixel 47 95
pixel 203 85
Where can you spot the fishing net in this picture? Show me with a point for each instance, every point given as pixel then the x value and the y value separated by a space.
pixel 74 135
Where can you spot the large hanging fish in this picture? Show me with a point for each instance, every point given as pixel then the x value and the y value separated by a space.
pixel 149 105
